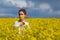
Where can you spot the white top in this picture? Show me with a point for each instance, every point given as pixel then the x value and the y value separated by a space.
pixel 17 24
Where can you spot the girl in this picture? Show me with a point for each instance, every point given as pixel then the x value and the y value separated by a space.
pixel 21 23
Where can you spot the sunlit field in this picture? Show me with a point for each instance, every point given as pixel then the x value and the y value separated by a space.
pixel 41 29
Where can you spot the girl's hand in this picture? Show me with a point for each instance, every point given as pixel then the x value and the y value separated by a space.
pixel 23 21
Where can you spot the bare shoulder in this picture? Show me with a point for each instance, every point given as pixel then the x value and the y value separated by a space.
pixel 16 23
pixel 26 23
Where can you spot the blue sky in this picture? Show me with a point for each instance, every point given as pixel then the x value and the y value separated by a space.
pixel 34 8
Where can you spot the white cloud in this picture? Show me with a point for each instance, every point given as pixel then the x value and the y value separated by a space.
pixel 20 3
pixel 56 12
pixel 17 3
pixel 6 14
pixel 45 7
pixel 30 4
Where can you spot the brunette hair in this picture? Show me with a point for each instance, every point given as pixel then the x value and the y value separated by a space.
pixel 24 11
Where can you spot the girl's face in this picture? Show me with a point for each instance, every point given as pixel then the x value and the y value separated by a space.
pixel 21 15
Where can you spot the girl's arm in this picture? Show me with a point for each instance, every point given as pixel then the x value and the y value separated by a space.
pixel 28 25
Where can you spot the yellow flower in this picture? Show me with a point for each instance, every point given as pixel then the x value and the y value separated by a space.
pixel 21 16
